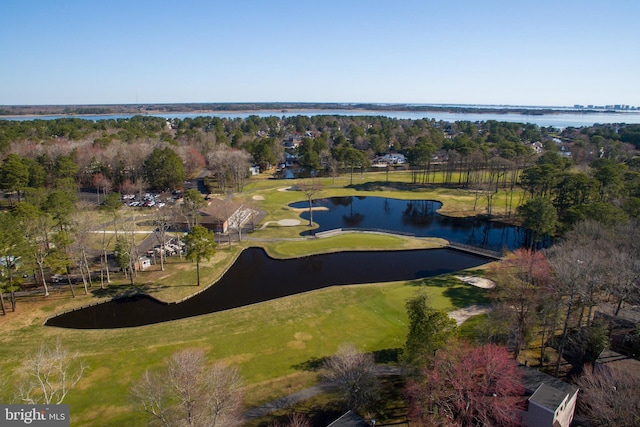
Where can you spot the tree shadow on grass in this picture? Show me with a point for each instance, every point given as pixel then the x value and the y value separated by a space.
pixel 460 294
pixel 316 413
pixel 384 185
pixel 387 355
pixel 312 365
pixel 122 291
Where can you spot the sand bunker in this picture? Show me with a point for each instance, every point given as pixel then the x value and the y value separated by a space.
pixel 258 197
pixel 464 313
pixel 473 310
pixel 480 282
pixel 284 189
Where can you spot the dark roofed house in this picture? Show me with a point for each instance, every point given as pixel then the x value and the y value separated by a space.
pixel 549 406
pixel 349 419
pixel 552 402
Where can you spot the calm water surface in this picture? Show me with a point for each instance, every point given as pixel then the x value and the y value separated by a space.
pixel 255 277
pixel 558 120
pixel 416 217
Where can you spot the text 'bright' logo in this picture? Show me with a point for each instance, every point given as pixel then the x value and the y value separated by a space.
pixel 38 415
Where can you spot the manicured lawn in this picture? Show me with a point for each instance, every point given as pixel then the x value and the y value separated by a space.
pixel 272 343
pixel 350 241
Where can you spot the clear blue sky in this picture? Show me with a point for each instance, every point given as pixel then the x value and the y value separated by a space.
pixel 558 52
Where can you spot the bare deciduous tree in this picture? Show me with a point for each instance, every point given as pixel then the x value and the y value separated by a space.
pixel 569 267
pixel 83 222
pixel 625 278
pixel 353 372
pixel 239 168
pixel 295 420
pixel 609 397
pixel 49 374
pixel 522 279
pixel 310 189
pixel 229 163
pixel 162 219
pixel 189 392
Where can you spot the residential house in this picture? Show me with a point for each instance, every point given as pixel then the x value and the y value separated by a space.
pixel 551 402
pixel 388 160
pixel 349 419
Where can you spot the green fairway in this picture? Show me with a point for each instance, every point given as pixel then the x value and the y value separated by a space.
pixel 274 343
pixel 266 341
pixel 349 241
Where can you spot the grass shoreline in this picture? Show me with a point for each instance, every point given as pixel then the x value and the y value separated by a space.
pixel 272 343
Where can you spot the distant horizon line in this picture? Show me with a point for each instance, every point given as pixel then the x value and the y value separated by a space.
pixel 326 103
pixel 382 104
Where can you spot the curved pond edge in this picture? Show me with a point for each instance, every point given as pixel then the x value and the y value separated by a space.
pixel 137 295
pixel 414 217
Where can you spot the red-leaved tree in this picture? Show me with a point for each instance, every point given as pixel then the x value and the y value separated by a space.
pixel 467 386
pixel 522 281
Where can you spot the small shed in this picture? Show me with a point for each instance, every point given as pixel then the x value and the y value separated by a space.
pixel 144 263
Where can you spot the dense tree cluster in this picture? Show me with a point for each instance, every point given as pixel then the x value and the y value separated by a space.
pixel 123 154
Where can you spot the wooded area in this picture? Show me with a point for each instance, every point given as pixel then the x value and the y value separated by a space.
pixel 580 186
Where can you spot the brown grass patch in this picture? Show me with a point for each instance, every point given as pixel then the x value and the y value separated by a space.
pixel 296 345
pixel 92 376
pixel 303 336
pixel 100 412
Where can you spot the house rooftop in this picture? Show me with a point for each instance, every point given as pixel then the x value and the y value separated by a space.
pixel 626 364
pixel 532 378
pixel 548 397
pixel 349 419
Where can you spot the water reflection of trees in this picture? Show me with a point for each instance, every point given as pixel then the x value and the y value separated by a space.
pixel 419 213
pixel 340 201
pixel 353 219
pixel 416 216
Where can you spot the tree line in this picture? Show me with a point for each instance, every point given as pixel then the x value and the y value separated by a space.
pixel 580 166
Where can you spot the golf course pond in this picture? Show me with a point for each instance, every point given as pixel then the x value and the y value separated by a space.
pixel 413 217
pixel 255 277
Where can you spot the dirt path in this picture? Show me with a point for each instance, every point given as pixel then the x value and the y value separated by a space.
pixel 308 393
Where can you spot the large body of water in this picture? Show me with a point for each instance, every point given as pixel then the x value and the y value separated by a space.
pixel 416 217
pixel 255 277
pixel 558 120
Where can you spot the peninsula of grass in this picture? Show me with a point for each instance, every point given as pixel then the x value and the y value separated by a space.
pixel 275 344
pixel 349 242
